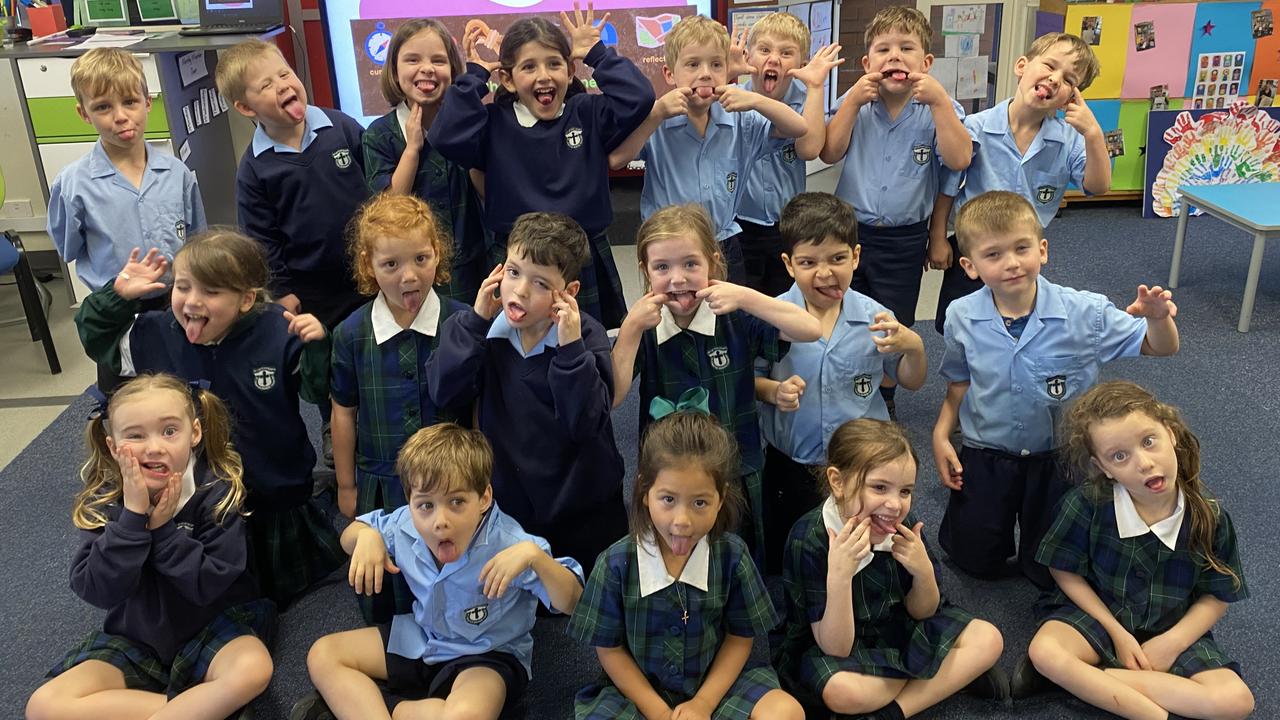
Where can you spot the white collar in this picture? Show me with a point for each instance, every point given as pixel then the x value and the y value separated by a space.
pixel 703 323
pixel 832 521
pixel 653 571
pixel 525 116
pixel 425 322
pixel 1130 524
pixel 502 329
pixel 188 487
pixel 402 117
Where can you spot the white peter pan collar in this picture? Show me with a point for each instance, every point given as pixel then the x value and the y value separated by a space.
pixel 653 571
pixel 703 323
pixel 1130 524
pixel 425 322
pixel 525 116
pixel 832 521
pixel 187 488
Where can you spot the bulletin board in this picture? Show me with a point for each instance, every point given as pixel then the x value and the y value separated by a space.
pixel 818 16
pixel 966 52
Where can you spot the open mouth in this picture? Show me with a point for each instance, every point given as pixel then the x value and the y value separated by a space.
pixel 1156 484
pixel 446 551
pixel 515 312
pixel 156 470
pixel 884 524
pixel 427 86
pixel 194 326
pixel 896 75
pixel 293 108
pixel 832 292
pixel 545 96
pixel 684 300
pixel 706 92
pixel 680 544
pixel 411 300
pixel 1044 91
pixel 769 81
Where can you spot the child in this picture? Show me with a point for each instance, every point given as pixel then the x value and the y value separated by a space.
pixel 694 336
pixel 422 61
pixel 162 550
pixel 539 369
pixel 476 576
pixel 702 139
pixel 544 142
pixel 899 122
pixel 1022 146
pixel 1145 562
pixel 259 358
pixel 869 632
pixel 778 49
pixel 672 608
pixel 1016 352
pixel 122 194
pixel 818 386
pixel 380 353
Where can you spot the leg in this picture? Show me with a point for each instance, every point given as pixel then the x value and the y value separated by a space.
pixel 977 528
pixel 1184 211
pixel 731 251
pixel 343 667
pixel 240 672
pixel 1063 655
pixel 92 689
pixel 777 705
pixel 974 652
pixel 478 693
pixel 955 284
pixel 1043 487
pixel 1217 694
pixel 852 693
pixel 1251 282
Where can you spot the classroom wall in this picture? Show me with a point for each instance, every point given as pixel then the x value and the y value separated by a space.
pixel 18 164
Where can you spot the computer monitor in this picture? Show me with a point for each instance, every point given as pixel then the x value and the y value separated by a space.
pixel 241 12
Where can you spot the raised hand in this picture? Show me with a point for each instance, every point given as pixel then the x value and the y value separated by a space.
pixel 674 103
pixel 471 42
pixel 909 551
pixel 585 32
pixel 414 135
pixel 897 337
pixel 307 327
pixel 487 302
pixel 815 73
pixel 167 503
pixel 568 317
pixel 738 64
pixel 369 561
pixel 866 89
pixel 723 297
pixel 1153 303
pixel 1078 115
pixel 927 90
pixel 505 567
pixel 788 393
pixel 846 549
pixel 141 277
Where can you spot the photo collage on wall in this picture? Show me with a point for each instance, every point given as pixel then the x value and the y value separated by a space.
pixel 1218 79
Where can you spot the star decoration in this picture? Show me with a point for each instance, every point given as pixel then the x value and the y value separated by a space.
pixel 1207 28
pixel 1142 149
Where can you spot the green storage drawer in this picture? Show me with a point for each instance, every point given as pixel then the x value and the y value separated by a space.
pixel 55 119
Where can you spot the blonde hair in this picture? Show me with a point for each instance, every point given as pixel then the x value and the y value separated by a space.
pixel 784 26
pixel 678 221
pixel 221 257
pixel 684 439
pixel 401 216
pixel 389 83
pixel 234 62
pixel 900 18
pixel 860 446
pixel 445 457
pixel 103 483
pixel 1086 65
pixel 996 211
pixel 1119 399
pixel 695 30
pixel 107 70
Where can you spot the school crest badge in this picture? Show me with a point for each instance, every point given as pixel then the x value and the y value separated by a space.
pixel 264 378
pixel 342 158
pixel 862 385
pixel 185 527
pixel 789 153
pixel 920 153
pixel 1045 193
pixel 719 357
pixel 573 138
pixel 731 182
pixel 180 229
pixel 1056 386
pixel 476 615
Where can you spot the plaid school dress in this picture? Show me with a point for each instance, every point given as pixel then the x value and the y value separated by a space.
pixel 1146 585
pixel 887 641
pixel 673 655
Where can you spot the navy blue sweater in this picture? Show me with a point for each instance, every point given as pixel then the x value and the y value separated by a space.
pixel 559 165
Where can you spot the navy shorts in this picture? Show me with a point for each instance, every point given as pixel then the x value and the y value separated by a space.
pixel 409 679
pixel 891 265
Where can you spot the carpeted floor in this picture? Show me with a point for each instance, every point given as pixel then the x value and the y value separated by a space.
pixel 1226 382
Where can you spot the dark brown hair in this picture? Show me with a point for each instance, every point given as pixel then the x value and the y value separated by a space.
pixel 552 239
pixel 222 257
pixel 536 30
pixel 684 439
pixel 389 83
pixel 860 446
pixel 812 217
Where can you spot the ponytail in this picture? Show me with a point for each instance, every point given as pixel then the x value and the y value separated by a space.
pixel 224 462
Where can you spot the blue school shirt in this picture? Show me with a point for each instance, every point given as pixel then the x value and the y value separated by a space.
pixel 842 380
pixel 1054 159
pixel 452 617
pixel 779 174
pixel 681 166
pixel 96 216
pixel 892 168
pixel 1019 389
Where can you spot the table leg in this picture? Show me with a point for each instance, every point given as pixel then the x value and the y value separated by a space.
pixel 1184 211
pixel 1251 283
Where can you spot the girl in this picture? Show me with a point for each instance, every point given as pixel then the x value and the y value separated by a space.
pixel 256 356
pixel 379 389
pixel 869 632
pixel 1145 565
pixel 422 62
pixel 672 608
pixel 693 330
pixel 163 552
pixel 544 142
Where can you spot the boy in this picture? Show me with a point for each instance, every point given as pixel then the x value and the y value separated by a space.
pixel 778 51
pixel 1022 146
pixel 702 138
pixel 839 373
pixel 122 195
pixel 1017 352
pixel 541 374
pixel 476 576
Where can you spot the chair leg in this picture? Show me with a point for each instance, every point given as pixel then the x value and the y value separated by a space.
pixel 33 308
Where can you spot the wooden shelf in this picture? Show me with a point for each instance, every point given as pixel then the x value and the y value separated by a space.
pixel 1075 197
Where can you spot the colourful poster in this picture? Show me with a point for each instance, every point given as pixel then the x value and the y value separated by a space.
pixel 1222 27
pixel 1266 52
pixel 1166 62
pixel 1110 31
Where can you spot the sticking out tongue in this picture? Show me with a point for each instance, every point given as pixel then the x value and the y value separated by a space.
pixel 446 552
pixel 831 291
pixel 681 545
pixel 515 313
pixel 886 527
pixel 412 300
pixel 1156 484
pixel 426 87
pixel 295 109
pixel 899 75
pixel 195 327
pixel 705 91
pixel 769 82
pixel 1043 92
pixel 545 98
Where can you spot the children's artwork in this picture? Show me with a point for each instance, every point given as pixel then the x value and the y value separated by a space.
pixel 1091 30
pixel 1266 96
pixel 944 70
pixel 744 19
pixel 820 16
pixel 1113 46
pixel 1144 36
pixel 1238 144
pixel 1261 22
pixel 961 46
pixel 963 19
pixel 1230 31
pixel 1159 97
pixel 1115 142
pixel 1220 75
pixel 971 77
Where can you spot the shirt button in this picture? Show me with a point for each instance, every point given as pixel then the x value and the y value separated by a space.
pixel 1141 574
pixel 886 158
pixel 1026 451
pixel 884 187
pixel 673 669
pixel 408 374
pixel 705 186
pixel 675 629
pixel 1017 388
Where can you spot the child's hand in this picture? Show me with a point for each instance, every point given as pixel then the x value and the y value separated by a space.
pixel 736 99
pixel 646 313
pixel 927 90
pixel 369 561
pixel 897 337
pixel 814 74
pixel 347 500
pixel 307 327
pixel 848 547
pixel 1162 652
pixel 470 46
pixel 583 34
pixel 694 709
pixel 414 136
pixel 141 277
pixel 503 568
pixel 939 255
pixel 723 297
pixel 167 504
pixel 568 318
pixel 1078 115
pixel 1128 651
pixel 909 551
pixel 948 463
pixel 487 302
pixel 788 393
pixel 136 496
pixel 1154 304
pixel 738 55
pixel 291 303
pixel 674 103
pixel 865 90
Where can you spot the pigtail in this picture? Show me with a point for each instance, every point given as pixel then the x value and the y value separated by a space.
pixel 1202 511
pixel 101 478
pixel 224 461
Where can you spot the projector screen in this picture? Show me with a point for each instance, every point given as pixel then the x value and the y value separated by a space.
pixel 359 32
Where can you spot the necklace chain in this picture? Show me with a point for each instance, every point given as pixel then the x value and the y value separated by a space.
pixel 680 599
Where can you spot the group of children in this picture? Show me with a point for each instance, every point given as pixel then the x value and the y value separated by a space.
pixel 774 329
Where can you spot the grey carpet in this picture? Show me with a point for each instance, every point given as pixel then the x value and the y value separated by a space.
pixel 1226 383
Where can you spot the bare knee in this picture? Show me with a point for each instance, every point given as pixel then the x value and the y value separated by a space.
pixel 1232 701
pixel 777 704
pixel 1049 657
pixel 843 695
pixel 324 655
pixel 466 710
pixel 44 703
pixel 983 638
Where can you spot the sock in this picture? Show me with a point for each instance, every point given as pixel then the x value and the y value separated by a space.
pixel 892 711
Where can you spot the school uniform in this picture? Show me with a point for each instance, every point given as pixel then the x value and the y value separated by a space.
pixel 379 368
pixel 1055 158
pixel 673 628
pixel 887 641
pixel 559 165
pixel 777 176
pixel 842 377
pixel 715 352
pixel 546 413
pixel 1019 388
pixel 1147 576
pixel 443 185
pixel 890 177
pixel 297 203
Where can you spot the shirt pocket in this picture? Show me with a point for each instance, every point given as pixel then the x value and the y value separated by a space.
pixel 470 615
pixel 919 158
pixel 1046 188
pixel 1058 379
pixel 857 375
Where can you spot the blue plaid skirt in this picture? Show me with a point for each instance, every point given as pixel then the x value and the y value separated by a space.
pixel 604 701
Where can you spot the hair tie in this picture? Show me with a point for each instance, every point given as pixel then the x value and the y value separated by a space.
pixel 693 400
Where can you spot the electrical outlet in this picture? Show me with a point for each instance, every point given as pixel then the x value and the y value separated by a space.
pixel 16 209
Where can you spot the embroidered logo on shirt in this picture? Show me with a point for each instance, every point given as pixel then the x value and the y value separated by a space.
pixel 1045 193
pixel 789 153
pixel 185 527
pixel 180 229
pixel 264 378
pixel 573 138
pixel 731 181
pixel 476 615
pixel 920 153
pixel 719 357
pixel 862 385
pixel 1056 386
pixel 342 158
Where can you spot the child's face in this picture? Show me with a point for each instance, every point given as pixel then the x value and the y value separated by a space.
pixel 772 57
pixel 540 79
pixel 205 313
pixel 1048 81
pixel 274 94
pixel 526 288
pixel 447 519
pixel 120 121
pixel 885 496
pixel 422 69
pixel 1138 452
pixel 823 271
pixel 1007 262
pixel 157 431
pixel 405 270
pixel 702 67
pixel 678 267
pixel 895 54
pixel 683 504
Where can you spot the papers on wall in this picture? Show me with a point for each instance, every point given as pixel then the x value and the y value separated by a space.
pixel 971 77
